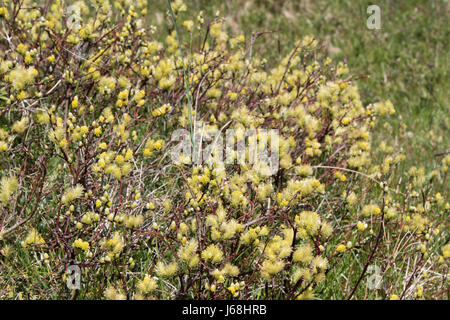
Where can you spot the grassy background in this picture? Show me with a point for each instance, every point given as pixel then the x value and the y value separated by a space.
pixel 406 61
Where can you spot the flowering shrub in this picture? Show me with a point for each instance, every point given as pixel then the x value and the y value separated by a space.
pixel 88 106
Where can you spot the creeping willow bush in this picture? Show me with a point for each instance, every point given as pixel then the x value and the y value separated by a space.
pixel 89 100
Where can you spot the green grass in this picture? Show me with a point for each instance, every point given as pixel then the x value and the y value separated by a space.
pixel 406 61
